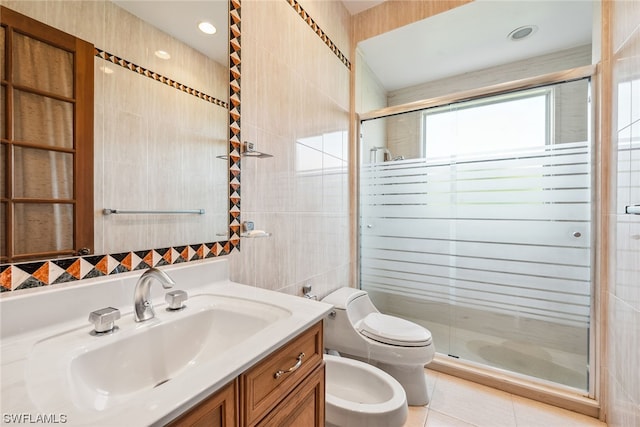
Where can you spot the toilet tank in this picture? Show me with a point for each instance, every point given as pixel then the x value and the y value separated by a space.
pixel 350 305
pixel 356 302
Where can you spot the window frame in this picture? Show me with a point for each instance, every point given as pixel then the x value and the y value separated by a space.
pixel 548 92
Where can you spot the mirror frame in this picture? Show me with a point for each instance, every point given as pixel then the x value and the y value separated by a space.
pixel 35 274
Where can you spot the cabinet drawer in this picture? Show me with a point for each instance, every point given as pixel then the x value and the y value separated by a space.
pixel 267 383
pixel 304 407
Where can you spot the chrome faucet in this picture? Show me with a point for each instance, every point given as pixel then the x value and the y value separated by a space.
pixel 142 306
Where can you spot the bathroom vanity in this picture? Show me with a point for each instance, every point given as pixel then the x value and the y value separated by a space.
pixel 235 356
pixel 267 395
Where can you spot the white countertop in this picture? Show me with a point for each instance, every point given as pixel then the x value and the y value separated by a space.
pixel 28 318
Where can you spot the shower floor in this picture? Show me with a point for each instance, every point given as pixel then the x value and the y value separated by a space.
pixel 537 348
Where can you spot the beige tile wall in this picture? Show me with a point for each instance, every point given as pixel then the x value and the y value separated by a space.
pixel 623 346
pixel 394 14
pixel 295 106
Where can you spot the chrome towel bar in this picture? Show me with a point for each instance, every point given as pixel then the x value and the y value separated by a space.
pixel 107 211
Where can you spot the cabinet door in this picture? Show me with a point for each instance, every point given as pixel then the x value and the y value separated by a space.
pixel 266 384
pixel 218 410
pixel 303 407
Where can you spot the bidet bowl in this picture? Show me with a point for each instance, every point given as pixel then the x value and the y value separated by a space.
pixel 361 395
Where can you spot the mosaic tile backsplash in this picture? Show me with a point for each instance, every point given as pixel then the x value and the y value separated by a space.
pixel 51 272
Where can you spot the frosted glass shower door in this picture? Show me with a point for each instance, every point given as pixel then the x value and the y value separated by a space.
pixel 490 250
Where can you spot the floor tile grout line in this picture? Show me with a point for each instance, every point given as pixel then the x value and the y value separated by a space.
pixel 513 410
pixel 451 416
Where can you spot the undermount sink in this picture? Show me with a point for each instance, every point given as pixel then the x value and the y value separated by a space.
pixel 98 372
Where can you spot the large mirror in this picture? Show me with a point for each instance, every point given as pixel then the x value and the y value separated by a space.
pixel 160 119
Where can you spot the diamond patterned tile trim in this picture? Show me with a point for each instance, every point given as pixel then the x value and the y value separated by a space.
pixel 30 275
pixel 5 278
pixel 64 270
pixel 42 273
pixel 235 63
pixel 195 252
pixel 157 77
pixel 316 29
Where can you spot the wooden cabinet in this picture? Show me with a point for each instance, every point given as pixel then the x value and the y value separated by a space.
pixel 286 388
pixel 218 410
pixel 266 384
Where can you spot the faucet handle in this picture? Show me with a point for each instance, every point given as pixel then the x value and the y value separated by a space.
pixel 104 320
pixel 175 299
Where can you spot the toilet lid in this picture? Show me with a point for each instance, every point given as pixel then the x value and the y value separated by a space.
pixel 393 330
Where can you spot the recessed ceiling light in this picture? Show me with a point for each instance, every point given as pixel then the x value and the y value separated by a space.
pixel 207 27
pixel 521 33
pixel 162 54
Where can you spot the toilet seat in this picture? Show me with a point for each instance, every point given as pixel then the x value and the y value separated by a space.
pixel 393 330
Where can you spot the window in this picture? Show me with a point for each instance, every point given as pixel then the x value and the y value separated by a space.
pixel 46 145
pixel 493 124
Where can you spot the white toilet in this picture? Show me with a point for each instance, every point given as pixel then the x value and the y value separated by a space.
pixel 356 329
pixel 361 395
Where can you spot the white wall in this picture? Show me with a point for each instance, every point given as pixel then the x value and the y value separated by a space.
pixel 370 95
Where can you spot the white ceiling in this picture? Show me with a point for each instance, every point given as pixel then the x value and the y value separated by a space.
pixel 467 38
pixel 473 37
pixel 180 19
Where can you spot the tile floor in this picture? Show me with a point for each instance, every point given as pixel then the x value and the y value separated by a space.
pixel 459 403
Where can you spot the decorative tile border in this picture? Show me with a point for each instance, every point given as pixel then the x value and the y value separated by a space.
pixel 157 77
pixel 42 273
pixel 35 274
pixel 234 120
pixel 316 29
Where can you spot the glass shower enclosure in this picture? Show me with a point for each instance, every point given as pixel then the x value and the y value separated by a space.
pixel 476 222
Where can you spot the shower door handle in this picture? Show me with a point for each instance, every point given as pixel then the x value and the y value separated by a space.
pixel 632 210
